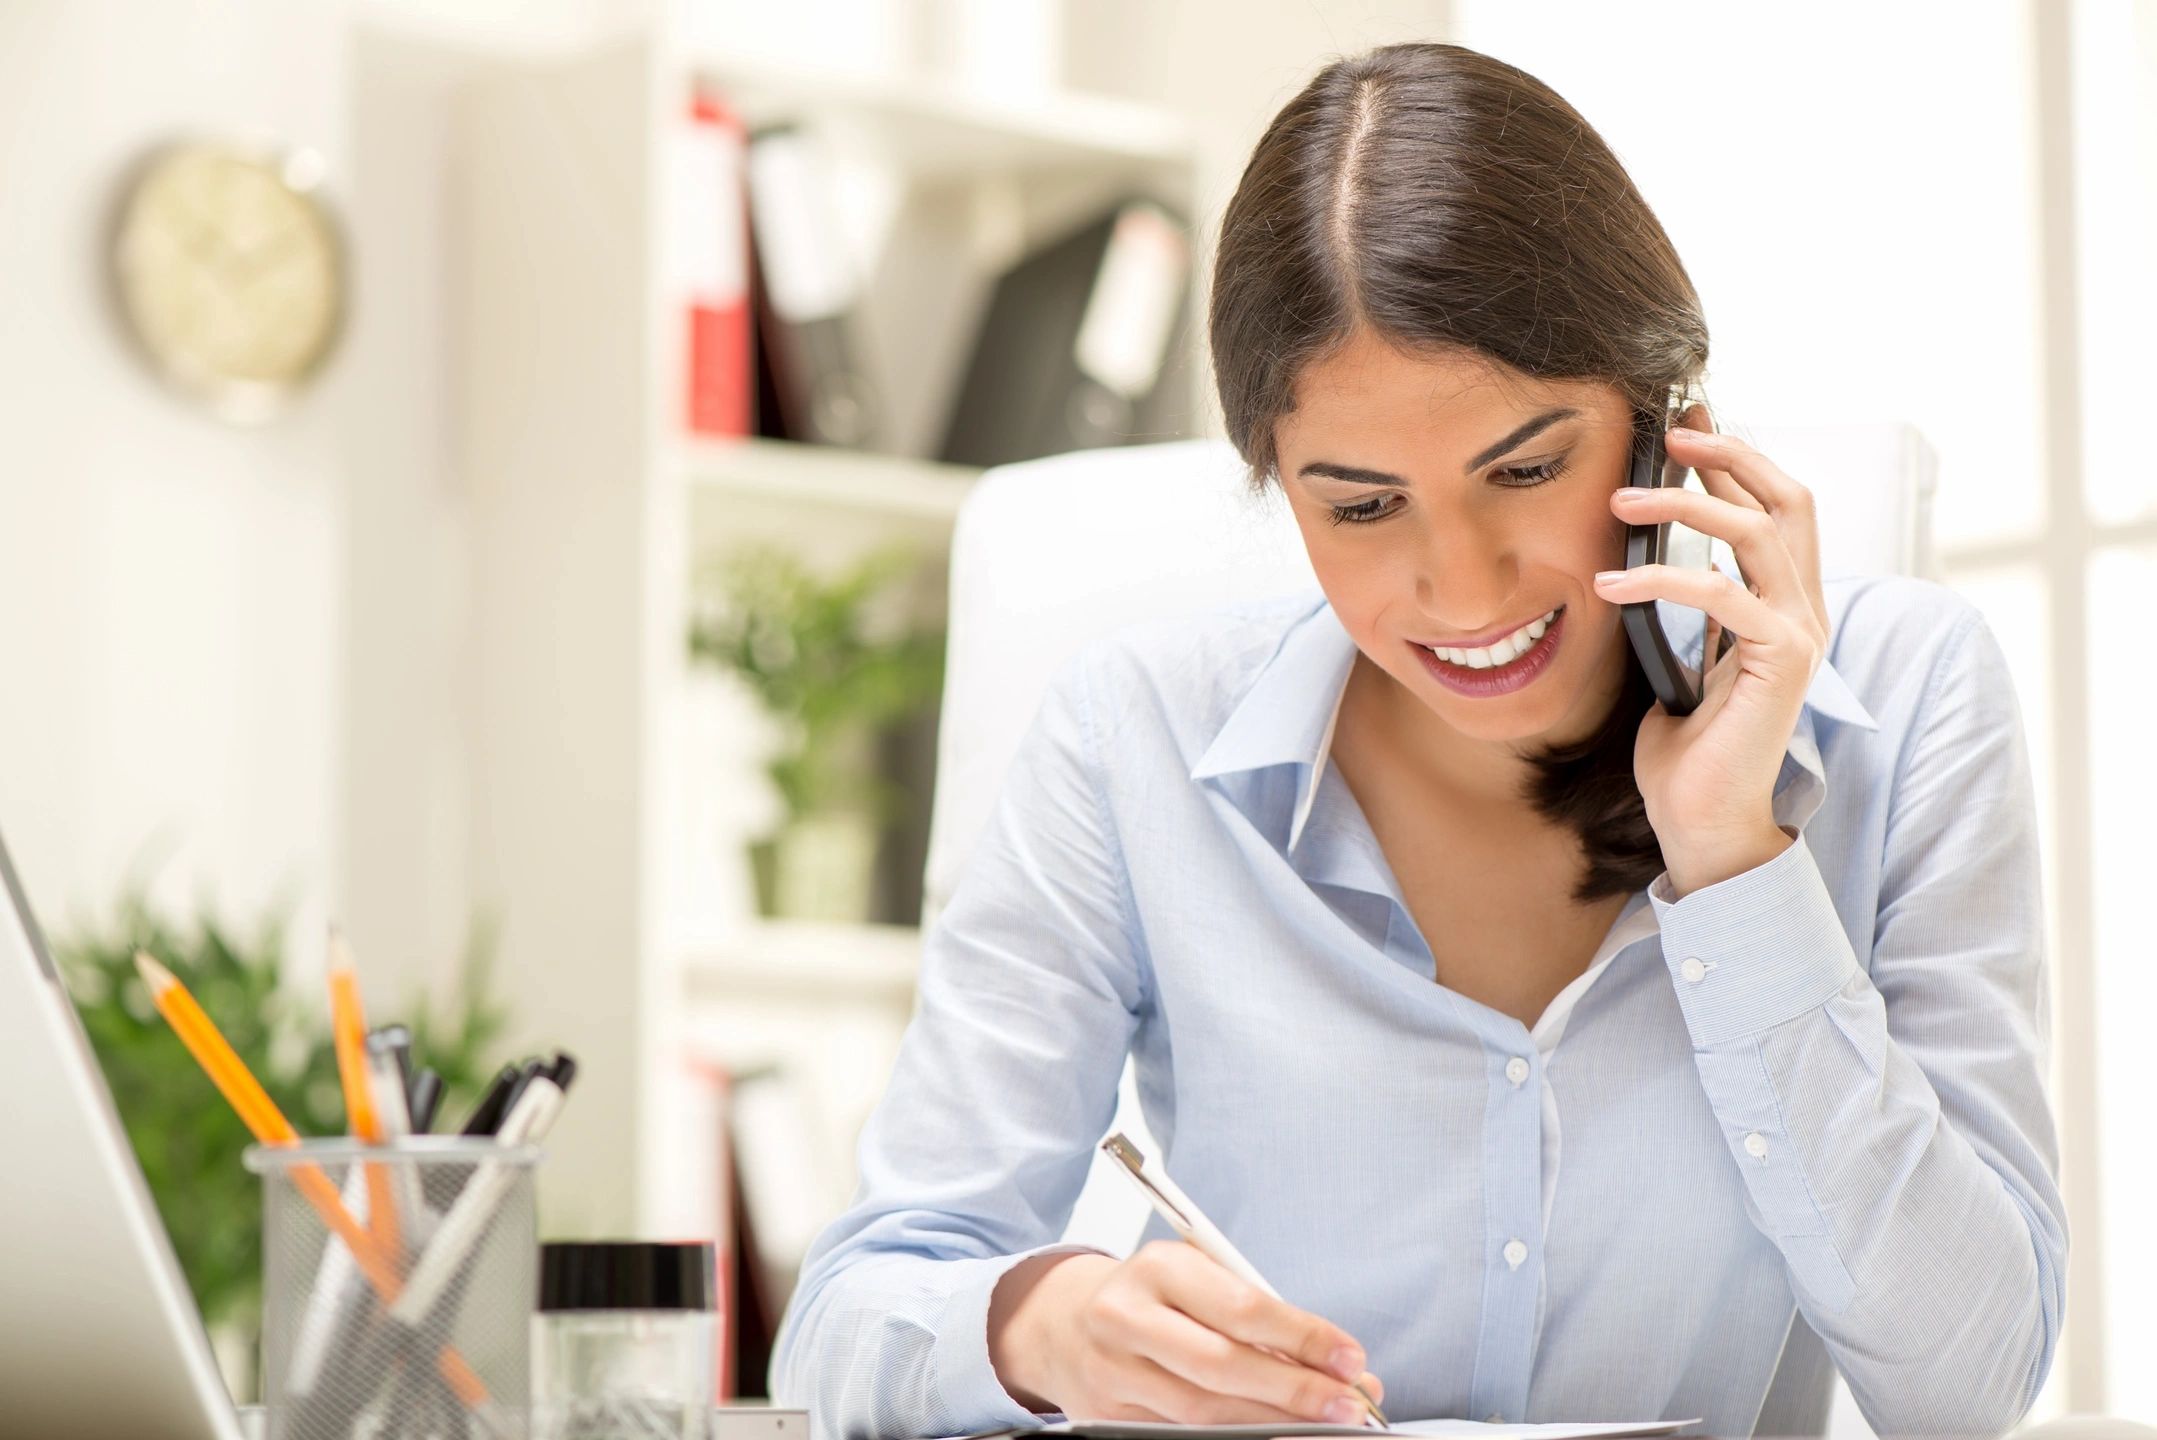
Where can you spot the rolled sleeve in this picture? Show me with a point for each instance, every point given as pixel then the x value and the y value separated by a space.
pixel 1755 950
pixel 959 1359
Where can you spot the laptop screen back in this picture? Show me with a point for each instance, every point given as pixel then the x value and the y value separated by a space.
pixel 98 1334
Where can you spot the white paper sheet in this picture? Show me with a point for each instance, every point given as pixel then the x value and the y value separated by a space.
pixel 1445 1429
pixel 1476 1430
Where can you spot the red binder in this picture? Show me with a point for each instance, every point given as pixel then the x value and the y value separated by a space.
pixel 711 268
pixel 748 1310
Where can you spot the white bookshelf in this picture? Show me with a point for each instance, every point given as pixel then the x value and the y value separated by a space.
pixel 808 961
pixel 626 927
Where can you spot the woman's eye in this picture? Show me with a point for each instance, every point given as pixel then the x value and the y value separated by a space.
pixel 1361 512
pixel 1534 475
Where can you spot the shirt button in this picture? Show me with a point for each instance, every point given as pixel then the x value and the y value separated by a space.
pixel 1693 971
pixel 1756 1146
pixel 1516 1070
pixel 1515 1252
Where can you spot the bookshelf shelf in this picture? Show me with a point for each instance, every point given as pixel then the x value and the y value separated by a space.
pixel 937 133
pixel 805 960
pixel 722 473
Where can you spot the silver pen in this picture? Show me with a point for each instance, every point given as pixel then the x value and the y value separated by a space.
pixel 1191 1223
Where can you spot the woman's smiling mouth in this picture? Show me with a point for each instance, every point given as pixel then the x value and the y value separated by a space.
pixel 1500 668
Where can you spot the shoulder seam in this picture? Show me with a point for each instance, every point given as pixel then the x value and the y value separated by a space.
pixel 1919 716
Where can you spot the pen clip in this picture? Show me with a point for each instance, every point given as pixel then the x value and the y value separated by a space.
pixel 1134 1164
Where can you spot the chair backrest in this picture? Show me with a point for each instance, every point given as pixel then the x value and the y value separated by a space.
pixel 1050 553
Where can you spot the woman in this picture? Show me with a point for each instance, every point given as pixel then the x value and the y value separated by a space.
pixel 1554 1058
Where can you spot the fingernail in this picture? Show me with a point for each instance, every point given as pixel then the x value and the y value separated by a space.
pixel 1609 577
pixel 1631 492
pixel 1343 1411
pixel 1348 1363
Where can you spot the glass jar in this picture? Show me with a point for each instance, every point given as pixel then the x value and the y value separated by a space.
pixel 627 1343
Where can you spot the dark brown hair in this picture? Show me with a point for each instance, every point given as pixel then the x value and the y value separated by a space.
pixel 1445 202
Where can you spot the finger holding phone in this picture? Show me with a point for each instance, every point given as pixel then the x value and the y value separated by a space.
pixel 1707 764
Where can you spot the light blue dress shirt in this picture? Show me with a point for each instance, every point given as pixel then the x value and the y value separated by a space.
pixel 1791 1121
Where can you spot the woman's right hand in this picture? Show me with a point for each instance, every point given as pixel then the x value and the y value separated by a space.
pixel 1167 1335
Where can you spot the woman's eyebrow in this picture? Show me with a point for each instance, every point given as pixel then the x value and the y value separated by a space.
pixel 1355 476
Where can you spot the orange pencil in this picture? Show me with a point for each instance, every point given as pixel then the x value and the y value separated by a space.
pixel 348 1030
pixel 268 1124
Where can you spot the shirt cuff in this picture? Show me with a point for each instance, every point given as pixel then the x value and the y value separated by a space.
pixel 965 1378
pixel 1755 950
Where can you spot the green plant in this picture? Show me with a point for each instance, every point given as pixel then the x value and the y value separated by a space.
pixel 810 649
pixel 186 1137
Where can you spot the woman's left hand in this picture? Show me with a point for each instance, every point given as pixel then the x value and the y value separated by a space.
pixel 1708 778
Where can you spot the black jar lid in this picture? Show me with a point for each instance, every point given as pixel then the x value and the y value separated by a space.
pixel 625 1275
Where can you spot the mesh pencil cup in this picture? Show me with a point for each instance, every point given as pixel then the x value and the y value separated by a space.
pixel 397 1289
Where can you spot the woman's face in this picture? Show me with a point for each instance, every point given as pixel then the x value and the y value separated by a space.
pixel 1445 500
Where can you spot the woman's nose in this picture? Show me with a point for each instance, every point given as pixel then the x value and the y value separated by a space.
pixel 1464 576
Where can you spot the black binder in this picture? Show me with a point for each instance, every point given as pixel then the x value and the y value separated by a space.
pixel 810 383
pixel 1029 390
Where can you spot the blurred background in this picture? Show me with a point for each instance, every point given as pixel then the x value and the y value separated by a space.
pixel 483 473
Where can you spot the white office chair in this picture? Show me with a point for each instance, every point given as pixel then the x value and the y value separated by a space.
pixel 1051 553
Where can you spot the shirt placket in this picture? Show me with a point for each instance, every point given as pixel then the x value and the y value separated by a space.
pixel 1512 1250
pixel 1512 1240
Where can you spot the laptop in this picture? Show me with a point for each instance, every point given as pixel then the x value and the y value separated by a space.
pixel 99 1336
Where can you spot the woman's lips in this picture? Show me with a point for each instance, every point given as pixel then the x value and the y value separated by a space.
pixel 1521 671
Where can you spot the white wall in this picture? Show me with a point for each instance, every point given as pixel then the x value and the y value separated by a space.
pixel 236 655
pixel 170 588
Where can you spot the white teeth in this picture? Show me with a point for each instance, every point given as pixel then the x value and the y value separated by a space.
pixel 1501 652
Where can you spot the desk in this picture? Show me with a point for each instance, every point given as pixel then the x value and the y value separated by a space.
pixel 729 1422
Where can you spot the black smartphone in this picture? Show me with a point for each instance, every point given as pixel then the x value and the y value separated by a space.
pixel 1667 637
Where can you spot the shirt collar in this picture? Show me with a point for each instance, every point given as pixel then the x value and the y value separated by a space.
pixel 1288 714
